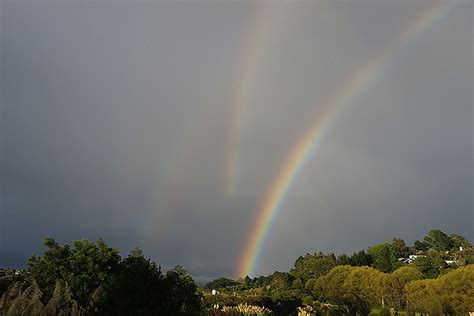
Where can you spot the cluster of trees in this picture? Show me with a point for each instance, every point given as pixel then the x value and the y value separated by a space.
pixel 450 294
pixel 221 283
pixel 91 278
pixel 360 289
pixel 369 278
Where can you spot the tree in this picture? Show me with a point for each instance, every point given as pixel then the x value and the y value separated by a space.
pixel 361 258
pixel 419 246
pixel 459 241
pixel 406 275
pixel 357 288
pixel 428 266
pixel 281 280
pixel 136 287
pixel 456 290
pixel 438 240
pixel 91 278
pixel 384 257
pixel 364 287
pixel 313 266
pixel 465 257
pixel 394 285
pixel 400 249
pixel 52 266
pixel 220 283
pixel 182 298
pixel 83 268
pixel 247 281
pixel 343 260
pixel 450 294
pixel 330 287
pixel 423 296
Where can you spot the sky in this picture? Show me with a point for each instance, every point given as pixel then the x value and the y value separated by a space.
pixel 164 125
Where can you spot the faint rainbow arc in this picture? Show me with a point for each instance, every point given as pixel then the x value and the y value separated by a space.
pixel 311 140
pixel 252 49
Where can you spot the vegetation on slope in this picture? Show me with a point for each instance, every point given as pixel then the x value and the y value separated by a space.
pixel 434 275
pixel 391 275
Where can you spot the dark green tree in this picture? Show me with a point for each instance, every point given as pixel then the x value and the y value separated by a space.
pixel 361 258
pixel 182 297
pixel 400 249
pixel 313 266
pixel 464 257
pixel 459 242
pixel 136 288
pixel 247 280
pixel 438 240
pixel 343 260
pixel 384 257
pixel 419 246
pixel 281 280
pixel 221 283
pixel 430 267
pixel 84 267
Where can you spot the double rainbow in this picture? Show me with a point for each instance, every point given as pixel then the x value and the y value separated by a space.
pixel 307 146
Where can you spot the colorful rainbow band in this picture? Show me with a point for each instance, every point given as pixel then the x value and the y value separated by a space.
pixel 312 139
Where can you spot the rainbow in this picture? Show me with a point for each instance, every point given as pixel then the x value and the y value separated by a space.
pixel 307 146
pixel 252 50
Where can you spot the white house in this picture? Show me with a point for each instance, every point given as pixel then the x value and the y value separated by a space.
pixel 410 259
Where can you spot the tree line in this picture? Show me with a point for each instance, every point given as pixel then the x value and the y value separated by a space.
pixel 437 279
pixel 91 278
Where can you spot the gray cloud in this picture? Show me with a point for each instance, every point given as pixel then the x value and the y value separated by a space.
pixel 115 123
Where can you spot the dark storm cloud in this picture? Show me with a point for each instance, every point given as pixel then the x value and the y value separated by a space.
pixel 94 97
pixel 115 121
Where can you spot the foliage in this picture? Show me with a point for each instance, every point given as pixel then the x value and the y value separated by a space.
pixel 464 257
pixel 438 240
pixel 281 303
pixel 375 278
pixel 419 246
pixel 91 278
pixel 21 298
pixel 319 308
pixel 352 287
pixel 384 257
pixel 430 267
pixel 392 286
pixel 343 260
pixel 406 275
pixel 241 309
pixel 61 303
pixel 136 287
pixel 459 241
pixel 422 296
pixel 313 266
pixel 361 258
pixel 24 298
pixel 181 297
pixel 456 289
pixel 399 248
pixel 221 283
pixel 83 268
